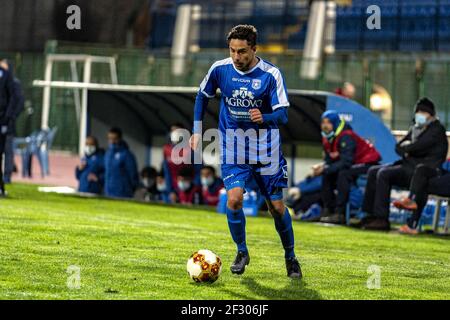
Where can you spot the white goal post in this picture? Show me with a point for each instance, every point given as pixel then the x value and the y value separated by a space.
pixel 80 102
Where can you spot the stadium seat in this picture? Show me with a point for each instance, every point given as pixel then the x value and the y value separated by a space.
pixel 354 205
pixel 39 144
pixel 438 213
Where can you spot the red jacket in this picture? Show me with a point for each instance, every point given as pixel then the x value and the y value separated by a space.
pixel 365 152
pixel 172 167
pixel 191 196
pixel 211 194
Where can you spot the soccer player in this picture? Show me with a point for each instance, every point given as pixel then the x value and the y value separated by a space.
pixel 254 97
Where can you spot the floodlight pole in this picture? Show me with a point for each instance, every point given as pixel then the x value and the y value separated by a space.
pixel 312 53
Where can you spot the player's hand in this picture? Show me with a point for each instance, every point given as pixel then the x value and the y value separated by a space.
pixel 173 197
pixel 317 169
pixel 256 116
pixel 92 177
pixel 82 166
pixel 194 141
pixel 334 155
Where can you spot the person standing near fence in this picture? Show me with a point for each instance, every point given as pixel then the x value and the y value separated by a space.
pixel 17 110
pixel 7 103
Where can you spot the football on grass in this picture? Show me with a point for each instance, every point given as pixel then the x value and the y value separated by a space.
pixel 204 266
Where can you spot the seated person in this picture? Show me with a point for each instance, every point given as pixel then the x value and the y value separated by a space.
pixel 304 195
pixel 170 166
pixel 211 186
pixel 161 187
pixel 147 190
pixel 188 193
pixel 347 156
pixel 425 144
pixel 424 182
pixel 90 173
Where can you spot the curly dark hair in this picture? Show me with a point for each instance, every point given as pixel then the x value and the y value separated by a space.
pixel 244 32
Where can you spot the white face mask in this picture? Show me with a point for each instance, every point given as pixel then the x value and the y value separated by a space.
pixel 89 150
pixel 184 185
pixel 161 187
pixel 148 182
pixel 207 181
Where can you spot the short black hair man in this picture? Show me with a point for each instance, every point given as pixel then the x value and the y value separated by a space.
pixel 253 97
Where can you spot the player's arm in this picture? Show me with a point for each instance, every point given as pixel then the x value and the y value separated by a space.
pixel 279 116
pixel 207 91
pixel 278 100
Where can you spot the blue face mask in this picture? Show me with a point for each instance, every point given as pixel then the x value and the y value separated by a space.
pixel 328 135
pixel 420 119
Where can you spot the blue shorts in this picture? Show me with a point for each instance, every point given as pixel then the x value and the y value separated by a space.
pixel 243 176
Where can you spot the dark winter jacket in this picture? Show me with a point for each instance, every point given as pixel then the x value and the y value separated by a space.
pixel 121 174
pixel 7 96
pixel 94 164
pixel 430 147
pixel 346 150
pixel 19 102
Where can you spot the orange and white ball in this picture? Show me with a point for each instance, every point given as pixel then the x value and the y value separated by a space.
pixel 204 266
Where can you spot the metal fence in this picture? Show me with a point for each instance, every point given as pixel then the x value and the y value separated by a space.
pixel 405 77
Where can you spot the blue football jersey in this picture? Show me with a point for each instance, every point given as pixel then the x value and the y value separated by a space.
pixel 262 87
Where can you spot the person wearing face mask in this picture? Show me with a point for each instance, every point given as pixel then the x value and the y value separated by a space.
pixel 90 172
pixel 161 187
pixel 347 156
pixel 121 174
pixel 171 167
pixel 424 146
pixel 211 186
pixel 188 192
pixel 147 190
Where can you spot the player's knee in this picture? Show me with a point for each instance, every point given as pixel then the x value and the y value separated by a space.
pixel 278 210
pixel 235 201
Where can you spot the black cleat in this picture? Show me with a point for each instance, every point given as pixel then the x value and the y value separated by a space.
pixel 293 268
pixel 242 260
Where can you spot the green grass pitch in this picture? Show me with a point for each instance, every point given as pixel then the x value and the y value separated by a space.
pixel 138 251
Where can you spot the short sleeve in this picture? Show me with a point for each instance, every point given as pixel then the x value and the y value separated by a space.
pixel 278 91
pixel 209 84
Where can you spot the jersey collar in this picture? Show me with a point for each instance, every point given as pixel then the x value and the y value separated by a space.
pixel 251 70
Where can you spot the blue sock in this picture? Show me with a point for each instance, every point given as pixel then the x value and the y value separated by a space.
pixel 236 223
pixel 284 227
